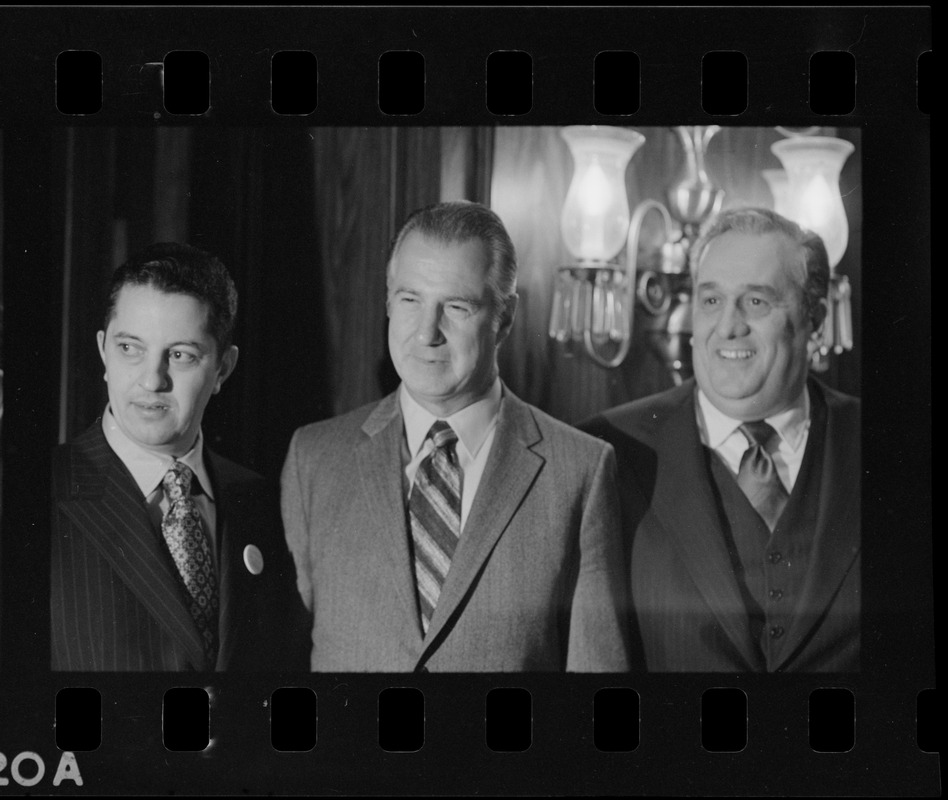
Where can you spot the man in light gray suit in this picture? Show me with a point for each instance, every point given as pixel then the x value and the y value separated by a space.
pixel 451 526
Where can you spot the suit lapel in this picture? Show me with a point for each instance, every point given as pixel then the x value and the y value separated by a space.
pixel 684 505
pixel 508 475
pixel 836 538
pixel 379 457
pixel 110 510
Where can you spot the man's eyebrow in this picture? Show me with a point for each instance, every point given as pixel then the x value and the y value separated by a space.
pixel 126 335
pixel 707 285
pixel 762 288
pixel 182 343
pixel 460 298
pixel 187 343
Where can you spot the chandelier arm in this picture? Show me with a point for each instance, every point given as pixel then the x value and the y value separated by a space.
pixel 632 243
pixel 629 288
pixel 608 363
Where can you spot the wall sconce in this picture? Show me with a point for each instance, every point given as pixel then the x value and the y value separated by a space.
pixel 809 195
pixel 594 299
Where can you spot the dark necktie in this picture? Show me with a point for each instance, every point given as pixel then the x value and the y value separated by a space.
pixel 184 533
pixel 758 476
pixel 434 507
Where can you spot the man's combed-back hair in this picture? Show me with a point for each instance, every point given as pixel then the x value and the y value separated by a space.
pixel 460 221
pixel 812 272
pixel 181 269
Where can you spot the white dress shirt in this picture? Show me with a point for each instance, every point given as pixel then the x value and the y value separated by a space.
pixel 721 433
pixel 475 426
pixel 148 469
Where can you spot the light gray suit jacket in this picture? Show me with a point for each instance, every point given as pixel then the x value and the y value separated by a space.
pixel 536 583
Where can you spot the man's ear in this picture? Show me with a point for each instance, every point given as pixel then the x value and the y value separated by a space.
pixel 507 316
pixel 100 339
pixel 228 365
pixel 818 317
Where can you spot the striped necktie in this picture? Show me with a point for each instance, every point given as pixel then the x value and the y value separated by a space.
pixel 184 533
pixel 758 476
pixel 434 507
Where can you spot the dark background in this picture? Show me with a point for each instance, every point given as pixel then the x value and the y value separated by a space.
pixel 332 243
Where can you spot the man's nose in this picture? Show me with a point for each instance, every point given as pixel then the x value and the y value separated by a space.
pixel 154 374
pixel 429 326
pixel 732 322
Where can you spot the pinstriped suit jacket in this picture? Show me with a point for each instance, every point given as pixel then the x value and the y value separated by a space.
pixel 536 582
pixel 117 602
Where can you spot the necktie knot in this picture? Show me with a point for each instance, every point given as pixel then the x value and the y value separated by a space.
pixel 758 476
pixel 758 433
pixel 177 481
pixel 442 435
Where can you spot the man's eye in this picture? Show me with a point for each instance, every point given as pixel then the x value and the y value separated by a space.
pixel 459 308
pixel 128 349
pixel 182 357
pixel 757 304
pixel 709 300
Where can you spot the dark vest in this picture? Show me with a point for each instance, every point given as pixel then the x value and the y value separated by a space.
pixel 771 568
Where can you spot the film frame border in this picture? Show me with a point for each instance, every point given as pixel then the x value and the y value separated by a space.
pixel 899 647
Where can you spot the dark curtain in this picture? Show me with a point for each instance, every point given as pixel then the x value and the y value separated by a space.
pixel 252 204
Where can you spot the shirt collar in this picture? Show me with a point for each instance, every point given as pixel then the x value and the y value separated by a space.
pixel 791 424
pixel 148 468
pixel 472 423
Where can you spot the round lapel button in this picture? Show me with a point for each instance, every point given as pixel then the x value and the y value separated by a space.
pixel 253 559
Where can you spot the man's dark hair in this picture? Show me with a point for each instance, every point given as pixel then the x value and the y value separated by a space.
pixel 175 268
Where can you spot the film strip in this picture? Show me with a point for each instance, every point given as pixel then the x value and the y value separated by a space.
pixel 290 69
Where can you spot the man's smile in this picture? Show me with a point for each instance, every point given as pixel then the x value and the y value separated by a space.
pixel 736 355
pixel 150 408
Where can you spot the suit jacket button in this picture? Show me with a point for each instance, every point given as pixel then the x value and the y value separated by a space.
pixel 775 594
pixel 776 632
pixel 775 557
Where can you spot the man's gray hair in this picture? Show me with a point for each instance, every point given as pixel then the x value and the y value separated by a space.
pixel 460 221
pixel 812 272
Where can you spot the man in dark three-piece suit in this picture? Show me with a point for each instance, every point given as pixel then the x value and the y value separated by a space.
pixel 740 488
pixel 165 556
pixel 451 526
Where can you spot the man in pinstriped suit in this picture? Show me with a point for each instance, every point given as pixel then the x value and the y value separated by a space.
pixel 122 596
pixel 451 526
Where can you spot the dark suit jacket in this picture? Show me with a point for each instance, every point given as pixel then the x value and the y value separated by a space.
pixel 689 614
pixel 117 601
pixel 536 581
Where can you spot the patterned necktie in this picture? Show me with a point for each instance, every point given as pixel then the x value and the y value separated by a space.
pixel 184 533
pixel 434 507
pixel 758 476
